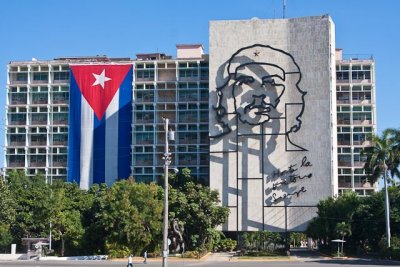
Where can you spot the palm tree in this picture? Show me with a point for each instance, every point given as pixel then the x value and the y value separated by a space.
pixel 343 229
pixel 384 156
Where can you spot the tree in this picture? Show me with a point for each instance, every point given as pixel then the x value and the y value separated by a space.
pixel 132 216
pixel 93 240
pixel 384 156
pixel 7 214
pixel 343 229
pixel 68 204
pixel 332 211
pixel 32 201
pixel 196 206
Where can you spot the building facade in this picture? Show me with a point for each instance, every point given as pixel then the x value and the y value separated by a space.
pixel 37 109
pixel 272 120
pixel 356 120
pixel 37 105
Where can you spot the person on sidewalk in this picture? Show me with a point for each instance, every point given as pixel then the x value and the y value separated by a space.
pixel 145 257
pixel 130 261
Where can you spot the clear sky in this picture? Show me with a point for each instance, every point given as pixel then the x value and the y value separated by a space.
pixel 46 29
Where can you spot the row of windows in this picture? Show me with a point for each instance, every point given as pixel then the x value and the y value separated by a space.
pixel 35 89
pixel 357 129
pixel 54 150
pixel 42 77
pixel 172 86
pixel 22 130
pixel 354 109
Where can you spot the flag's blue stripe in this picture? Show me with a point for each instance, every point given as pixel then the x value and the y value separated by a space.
pixel 124 127
pixel 74 135
pixel 99 149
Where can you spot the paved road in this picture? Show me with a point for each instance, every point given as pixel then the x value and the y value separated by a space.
pixel 299 259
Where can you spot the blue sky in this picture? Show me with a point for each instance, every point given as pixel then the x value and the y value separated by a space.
pixel 47 29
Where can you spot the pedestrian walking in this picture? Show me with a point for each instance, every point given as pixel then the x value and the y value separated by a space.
pixel 145 257
pixel 130 261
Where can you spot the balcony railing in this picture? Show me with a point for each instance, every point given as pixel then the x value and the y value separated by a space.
pixel 363 184
pixel 38 122
pixel 344 163
pixel 16 164
pixel 342 121
pixel 18 101
pixel 362 122
pixel 38 143
pixel 59 164
pixel 362 101
pixel 362 143
pixel 343 143
pixel 344 185
pixel 144 142
pixel 60 101
pixel 17 143
pixel 144 162
pixel 18 82
pixel 343 101
pixel 188 162
pixel 37 164
pixel 39 101
pixel 60 143
pixel 359 164
pixel 57 122
pixel 18 122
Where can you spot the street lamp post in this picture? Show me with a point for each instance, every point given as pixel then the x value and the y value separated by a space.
pixel 169 135
pixel 387 208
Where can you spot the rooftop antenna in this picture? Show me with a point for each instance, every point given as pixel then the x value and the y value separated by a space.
pixel 284 8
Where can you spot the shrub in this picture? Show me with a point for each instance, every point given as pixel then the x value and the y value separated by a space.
pixel 225 244
pixel 115 250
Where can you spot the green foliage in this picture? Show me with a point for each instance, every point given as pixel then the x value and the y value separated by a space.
pixel 122 219
pixel 5 235
pixel 7 204
pixel 132 214
pixel 32 205
pixel 360 221
pixel 343 229
pixel 225 244
pixel 332 211
pixel 296 238
pixel 116 250
pixel 68 203
pixel 383 154
pixel 262 241
pixel 196 206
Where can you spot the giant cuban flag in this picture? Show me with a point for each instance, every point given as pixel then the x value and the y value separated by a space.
pixel 99 124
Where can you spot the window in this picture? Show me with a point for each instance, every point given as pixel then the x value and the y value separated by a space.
pixel 342 75
pixel 188 73
pixel 61 76
pixel 145 74
pixel 40 76
pixel 22 77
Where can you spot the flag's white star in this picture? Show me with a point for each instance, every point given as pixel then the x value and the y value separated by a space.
pixel 101 79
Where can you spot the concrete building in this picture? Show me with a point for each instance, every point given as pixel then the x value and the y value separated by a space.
pixel 356 120
pixel 326 121
pixel 272 120
pixel 36 134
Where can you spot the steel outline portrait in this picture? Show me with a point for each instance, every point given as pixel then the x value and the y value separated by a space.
pixel 260 108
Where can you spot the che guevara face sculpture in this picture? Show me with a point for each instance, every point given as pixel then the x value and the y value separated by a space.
pixel 262 81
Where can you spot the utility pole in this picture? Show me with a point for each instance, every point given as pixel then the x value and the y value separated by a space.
pixel 169 135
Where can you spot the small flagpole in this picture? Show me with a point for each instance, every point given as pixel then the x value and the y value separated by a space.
pixel 284 9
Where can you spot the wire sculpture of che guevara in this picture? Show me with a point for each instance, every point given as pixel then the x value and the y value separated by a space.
pixel 260 88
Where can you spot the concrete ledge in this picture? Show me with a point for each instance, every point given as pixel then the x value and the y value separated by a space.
pixel 12 257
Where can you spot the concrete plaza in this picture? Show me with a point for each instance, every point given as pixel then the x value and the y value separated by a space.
pixel 216 260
